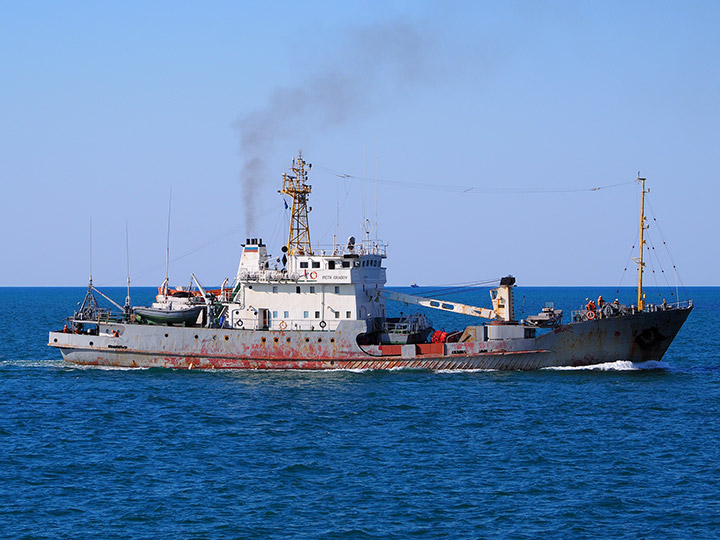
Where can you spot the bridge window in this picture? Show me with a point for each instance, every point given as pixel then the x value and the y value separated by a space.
pixel 286 314
pixel 304 264
pixel 317 314
pixel 337 289
pixel 337 314
pixel 306 314
pixel 347 315
pixel 275 314
pixel 297 290
pixel 275 289
pixel 346 264
pixel 312 288
pixel 316 264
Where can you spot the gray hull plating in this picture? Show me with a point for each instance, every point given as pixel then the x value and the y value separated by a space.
pixel 638 338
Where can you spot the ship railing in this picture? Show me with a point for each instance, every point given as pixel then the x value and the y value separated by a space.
pixel 363 248
pixel 98 315
pixel 405 326
pixel 396 327
pixel 269 275
pixel 664 306
pixel 613 310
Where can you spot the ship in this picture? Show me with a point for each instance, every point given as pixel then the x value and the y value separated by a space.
pixel 326 310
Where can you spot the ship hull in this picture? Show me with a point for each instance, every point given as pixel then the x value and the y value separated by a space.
pixel 638 338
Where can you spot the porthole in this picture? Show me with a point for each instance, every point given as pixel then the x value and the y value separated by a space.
pixel 276 340
pixel 91 344
pixel 319 340
pixel 307 340
pixel 288 340
pixel 166 335
pixel 196 336
pixel 332 340
pixel 226 338
pixel 263 340
pixel 55 340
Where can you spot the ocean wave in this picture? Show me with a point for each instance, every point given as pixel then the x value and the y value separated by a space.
pixel 104 368
pixel 620 365
pixel 54 362
pixel 478 370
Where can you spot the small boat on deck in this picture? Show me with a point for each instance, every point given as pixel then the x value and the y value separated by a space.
pixel 166 315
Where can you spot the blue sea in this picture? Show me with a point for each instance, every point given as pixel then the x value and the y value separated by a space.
pixel 619 451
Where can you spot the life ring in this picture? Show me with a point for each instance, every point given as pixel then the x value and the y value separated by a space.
pixel 282 325
pixel 590 315
pixel 239 323
pixel 313 275
pixel 323 324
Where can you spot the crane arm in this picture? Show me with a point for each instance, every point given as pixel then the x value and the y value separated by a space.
pixel 443 305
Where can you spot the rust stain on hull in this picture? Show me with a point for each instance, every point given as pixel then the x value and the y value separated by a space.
pixel 580 344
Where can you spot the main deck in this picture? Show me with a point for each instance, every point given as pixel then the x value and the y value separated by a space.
pixel 637 337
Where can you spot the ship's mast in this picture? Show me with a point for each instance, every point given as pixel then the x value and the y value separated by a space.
pixel 295 186
pixel 641 263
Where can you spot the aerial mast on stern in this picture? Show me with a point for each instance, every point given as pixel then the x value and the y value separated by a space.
pixel 639 260
pixel 296 187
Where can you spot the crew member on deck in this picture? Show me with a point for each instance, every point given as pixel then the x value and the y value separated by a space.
pixel 601 302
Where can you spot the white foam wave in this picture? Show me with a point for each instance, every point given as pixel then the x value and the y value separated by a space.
pixel 464 370
pixel 32 363
pixel 104 368
pixel 620 365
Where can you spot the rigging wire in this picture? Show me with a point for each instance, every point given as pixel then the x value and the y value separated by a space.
pixel 469 189
pixel 627 263
pixel 654 259
pixel 654 252
pixel 662 237
pixel 224 234
pixel 348 189
pixel 458 288
pixel 279 225
pixel 651 252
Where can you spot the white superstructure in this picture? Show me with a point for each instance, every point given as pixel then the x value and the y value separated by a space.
pixel 313 291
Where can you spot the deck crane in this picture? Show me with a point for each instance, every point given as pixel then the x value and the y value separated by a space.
pixel 502 300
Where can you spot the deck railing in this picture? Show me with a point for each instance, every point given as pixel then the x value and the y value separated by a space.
pixel 613 310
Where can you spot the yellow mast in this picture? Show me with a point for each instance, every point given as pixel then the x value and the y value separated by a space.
pixel 295 186
pixel 643 226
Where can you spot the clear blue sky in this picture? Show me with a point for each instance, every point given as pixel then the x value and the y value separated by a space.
pixel 107 106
